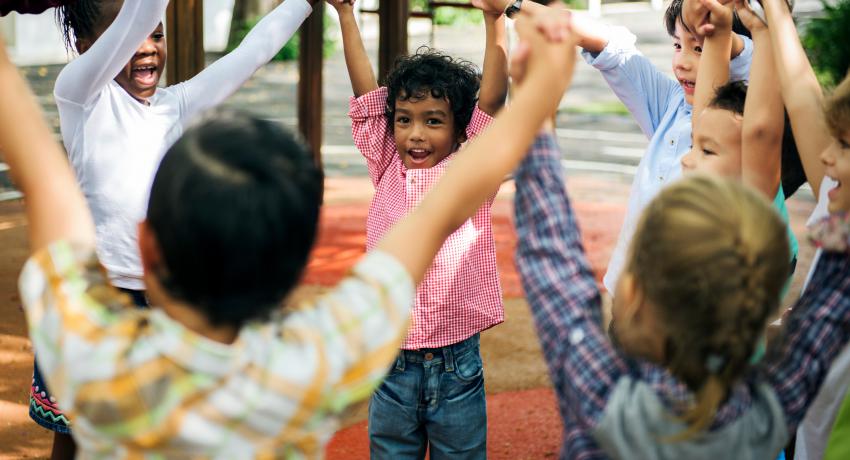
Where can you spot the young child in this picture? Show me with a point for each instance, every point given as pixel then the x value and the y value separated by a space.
pixel 409 131
pixel 738 132
pixel 116 123
pixel 661 105
pixel 210 371
pixel 706 268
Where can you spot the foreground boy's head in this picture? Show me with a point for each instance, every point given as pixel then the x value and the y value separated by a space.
pixel 716 134
pixel 706 268
pixel 431 98
pixel 84 21
pixel 231 219
pixel 836 159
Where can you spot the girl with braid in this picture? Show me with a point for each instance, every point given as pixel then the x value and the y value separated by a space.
pixel 117 124
pixel 705 271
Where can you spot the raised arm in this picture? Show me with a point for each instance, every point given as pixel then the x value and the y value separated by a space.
pixel 474 176
pixel 801 91
pixel 359 68
pixel 494 81
pixel 84 77
pixel 714 62
pixel 55 207
pixel 764 116
pixel 221 79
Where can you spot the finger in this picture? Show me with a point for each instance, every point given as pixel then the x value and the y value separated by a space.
pixel 705 29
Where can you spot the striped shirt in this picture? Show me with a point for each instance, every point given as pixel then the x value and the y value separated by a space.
pixel 602 392
pixel 460 295
pixel 138 382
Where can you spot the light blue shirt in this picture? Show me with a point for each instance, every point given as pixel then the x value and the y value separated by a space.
pixel 657 101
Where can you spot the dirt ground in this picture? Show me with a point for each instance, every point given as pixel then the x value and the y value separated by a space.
pixel 511 352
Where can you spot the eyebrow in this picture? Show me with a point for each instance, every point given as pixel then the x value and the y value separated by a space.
pixel 436 112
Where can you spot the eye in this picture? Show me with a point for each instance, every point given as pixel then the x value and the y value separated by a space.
pixel 698 49
pixel 402 120
pixel 158 36
pixel 677 46
pixel 844 144
pixel 707 152
pixel 434 122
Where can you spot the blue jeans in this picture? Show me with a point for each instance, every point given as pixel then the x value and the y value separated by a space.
pixel 431 398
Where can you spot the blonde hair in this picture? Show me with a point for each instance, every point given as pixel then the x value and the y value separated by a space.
pixel 837 109
pixel 711 256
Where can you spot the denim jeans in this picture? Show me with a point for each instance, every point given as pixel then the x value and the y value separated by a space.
pixel 431 398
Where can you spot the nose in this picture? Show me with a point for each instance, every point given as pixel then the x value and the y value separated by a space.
pixel 148 48
pixel 827 157
pixel 417 134
pixel 688 160
pixel 683 60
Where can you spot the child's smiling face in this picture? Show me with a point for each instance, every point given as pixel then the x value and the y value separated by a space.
pixel 687 50
pixel 836 160
pixel 424 131
pixel 716 144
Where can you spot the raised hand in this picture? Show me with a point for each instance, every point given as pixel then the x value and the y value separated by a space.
pixel 342 5
pixel 748 17
pixel 719 17
pixel 491 6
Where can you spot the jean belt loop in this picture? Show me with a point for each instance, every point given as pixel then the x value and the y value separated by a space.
pixel 399 361
pixel 449 358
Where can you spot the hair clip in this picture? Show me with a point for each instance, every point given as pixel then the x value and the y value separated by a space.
pixel 714 363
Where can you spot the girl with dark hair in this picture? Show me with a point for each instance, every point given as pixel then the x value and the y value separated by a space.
pixel 117 123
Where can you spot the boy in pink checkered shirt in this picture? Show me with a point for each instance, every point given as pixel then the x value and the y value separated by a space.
pixel 409 131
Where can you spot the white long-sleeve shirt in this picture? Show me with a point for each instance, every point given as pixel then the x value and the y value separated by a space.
pixel 115 143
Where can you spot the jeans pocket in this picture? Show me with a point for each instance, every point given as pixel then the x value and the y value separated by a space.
pixel 468 365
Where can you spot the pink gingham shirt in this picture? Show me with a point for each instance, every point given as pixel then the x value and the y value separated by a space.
pixel 460 295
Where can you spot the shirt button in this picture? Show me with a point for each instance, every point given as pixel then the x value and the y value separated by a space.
pixel 429 356
pixel 672 142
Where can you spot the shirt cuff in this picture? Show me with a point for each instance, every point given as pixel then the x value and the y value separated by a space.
pixel 369 105
pixel 620 42
pixel 479 121
pixel 739 67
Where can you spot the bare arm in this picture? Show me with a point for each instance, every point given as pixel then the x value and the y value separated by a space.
pixel 494 81
pixel 56 209
pixel 359 68
pixel 474 176
pixel 801 91
pixel 764 118
pixel 714 62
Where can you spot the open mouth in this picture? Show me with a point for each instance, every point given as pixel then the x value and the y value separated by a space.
pixel 418 156
pixel 146 75
pixel 688 85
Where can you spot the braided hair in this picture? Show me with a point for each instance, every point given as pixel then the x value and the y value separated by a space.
pixel 79 19
pixel 712 258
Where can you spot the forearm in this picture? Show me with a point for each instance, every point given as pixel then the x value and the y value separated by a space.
pixel 801 91
pixel 356 60
pixel 764 119
pixel 713 70
pixel 225 76
pixel 55 206
pixel 494 81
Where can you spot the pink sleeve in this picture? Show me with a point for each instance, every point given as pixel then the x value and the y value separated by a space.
pixel 371 133
pixel 478 123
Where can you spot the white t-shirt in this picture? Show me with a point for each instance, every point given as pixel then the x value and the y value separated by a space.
pixel 115 143
pixel 813 433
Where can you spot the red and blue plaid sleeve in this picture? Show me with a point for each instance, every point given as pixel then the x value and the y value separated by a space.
pixel 561 288
pixel 816 330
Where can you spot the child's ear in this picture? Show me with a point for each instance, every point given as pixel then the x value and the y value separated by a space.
pixel 149 249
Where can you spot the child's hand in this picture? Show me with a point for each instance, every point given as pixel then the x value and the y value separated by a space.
pixel 547 46
pixel 748 17
pixel 697 16
pixel 719 18
pixel 342 6
pixel 491 6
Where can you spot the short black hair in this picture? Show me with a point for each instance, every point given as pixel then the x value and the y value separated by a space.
pixel 234 208
pixel 732 96
pixel 673 14
pixel 430 72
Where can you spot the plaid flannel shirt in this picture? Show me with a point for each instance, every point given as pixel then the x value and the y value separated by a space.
pixel 138 384
pixel 583 364
pixel 460 295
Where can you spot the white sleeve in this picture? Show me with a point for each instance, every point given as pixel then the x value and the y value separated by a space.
pixel 221 79
pixel 82 79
